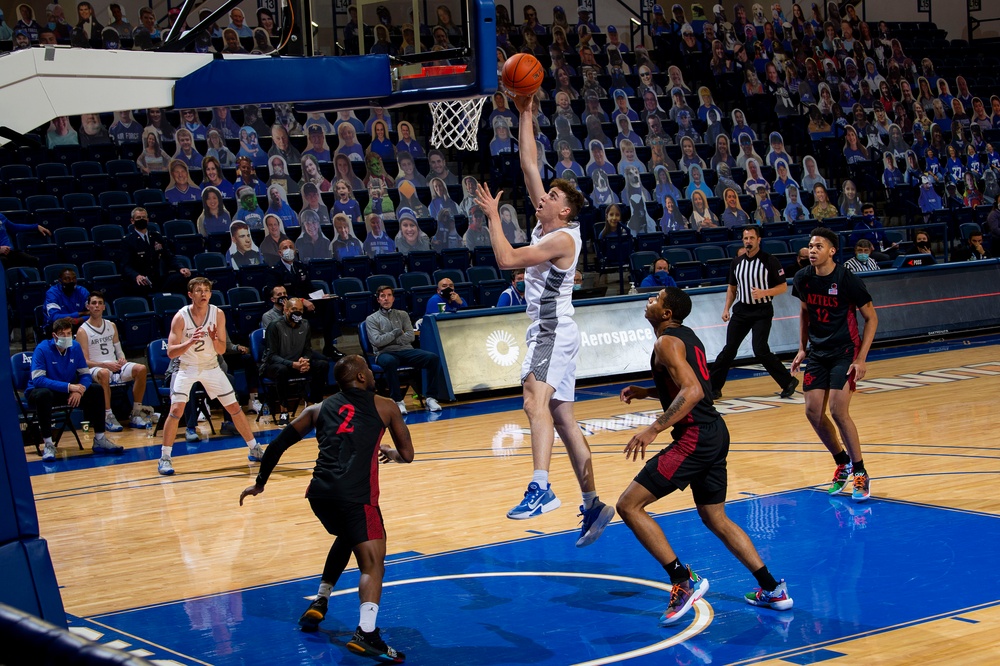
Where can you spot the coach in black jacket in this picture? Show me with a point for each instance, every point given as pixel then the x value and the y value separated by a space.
pixel 150 266
pixel 293 275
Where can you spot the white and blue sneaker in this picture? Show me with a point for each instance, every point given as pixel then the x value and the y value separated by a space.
pixel 165 467
pixel 536 502
pixel 256 454
pixel 111 423
pixel 191 435
pixel 138 421
pixel 107 447
pixel 595 519
pixel 49 453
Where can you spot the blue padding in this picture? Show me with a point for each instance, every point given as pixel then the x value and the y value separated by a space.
pixel 18 518
pixel 286 79
pixel 44 578
pixel 30 582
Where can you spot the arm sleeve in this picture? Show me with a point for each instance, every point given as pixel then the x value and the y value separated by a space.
pixel 775 273
pixel 504 300
pixel 797 288
pixel 404 324
pixel 39 374
pixel 273 339
pixel 272 454
pixel 857 292
pixel 128 267
pixel 18 228
pixel 376 336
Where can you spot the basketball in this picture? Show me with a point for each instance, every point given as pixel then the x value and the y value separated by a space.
pixel 522 74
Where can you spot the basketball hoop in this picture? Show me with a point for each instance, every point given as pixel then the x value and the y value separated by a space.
pixel 456 123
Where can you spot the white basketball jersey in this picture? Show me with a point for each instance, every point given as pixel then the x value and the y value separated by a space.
pixel 100 342
pixel 202 354
pixel 548 289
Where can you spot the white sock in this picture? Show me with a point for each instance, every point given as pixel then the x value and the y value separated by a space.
pixel 48 441
pixel 99 437
pixel 541 477
pixel 588 499
pixel 252 442
pixel 165 451
pixel 369 614
pixel 325 589
pixel 107 413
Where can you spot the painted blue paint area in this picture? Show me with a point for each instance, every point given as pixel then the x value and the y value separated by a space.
pixel 101 634
pixel 814 657
pixel 853 570
pixel 409 554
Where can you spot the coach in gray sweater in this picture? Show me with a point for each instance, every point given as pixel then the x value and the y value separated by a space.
pixel 391 336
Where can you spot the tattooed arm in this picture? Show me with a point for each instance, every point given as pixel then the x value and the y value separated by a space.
pixel 670 354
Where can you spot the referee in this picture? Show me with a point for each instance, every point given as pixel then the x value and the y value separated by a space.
pixel 755 278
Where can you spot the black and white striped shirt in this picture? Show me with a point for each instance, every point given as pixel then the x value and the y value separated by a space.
pixel 762 271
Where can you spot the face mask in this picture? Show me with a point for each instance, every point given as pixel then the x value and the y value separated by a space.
pixel 281 301
pixel 870 218
pixel 64 342
pixel 69 287
pixel 141 225
pixel 923 244
pixel 295 319
pixel 519 285
pixel 577 287
pixel 288 254
pixel 862 257
pixel 446 293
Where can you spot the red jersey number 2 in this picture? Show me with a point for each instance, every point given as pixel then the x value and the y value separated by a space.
pixel 346 425
pixel 699 354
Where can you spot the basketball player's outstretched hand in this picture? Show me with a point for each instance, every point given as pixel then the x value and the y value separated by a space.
pixel 630 393
pixel 797 361
pixel 636 446
pixel 489 203
pixel 250 490
pixel 524 102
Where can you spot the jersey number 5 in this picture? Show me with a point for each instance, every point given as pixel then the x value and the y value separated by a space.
pixel 346 425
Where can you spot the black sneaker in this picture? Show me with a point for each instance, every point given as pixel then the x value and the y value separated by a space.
pixel 314 614
pixel 370 644
pixel 789 390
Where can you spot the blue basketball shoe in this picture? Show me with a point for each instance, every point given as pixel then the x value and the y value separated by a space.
pixel 536 502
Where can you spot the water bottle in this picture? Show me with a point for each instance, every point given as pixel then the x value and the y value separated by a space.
pixel 632 290
pixel 151 426
pixel 265 415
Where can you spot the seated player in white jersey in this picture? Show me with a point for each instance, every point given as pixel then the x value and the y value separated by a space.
pixel 198 337
pixel 548 374
pixel 102 348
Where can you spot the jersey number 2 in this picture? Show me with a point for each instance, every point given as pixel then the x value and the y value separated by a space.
pixel 346 425
pixel 699 354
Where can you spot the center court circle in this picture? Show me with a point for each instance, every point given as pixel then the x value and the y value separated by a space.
pixel 514 609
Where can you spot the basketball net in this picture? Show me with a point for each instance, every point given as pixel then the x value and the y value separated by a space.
pixel 456 123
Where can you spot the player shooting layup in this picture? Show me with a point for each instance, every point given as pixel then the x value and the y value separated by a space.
pixel 549 370
pixel 198 337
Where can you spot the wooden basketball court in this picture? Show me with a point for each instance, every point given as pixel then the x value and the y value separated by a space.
pixel 123 537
